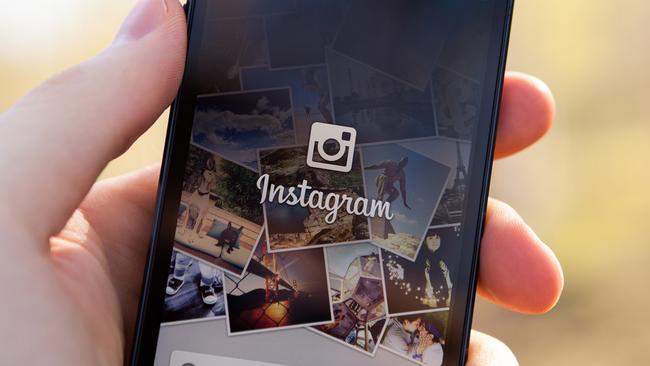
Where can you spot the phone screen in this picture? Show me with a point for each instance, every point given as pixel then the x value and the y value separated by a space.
pixel 325 169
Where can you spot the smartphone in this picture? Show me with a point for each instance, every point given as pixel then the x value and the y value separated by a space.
pixel 324 184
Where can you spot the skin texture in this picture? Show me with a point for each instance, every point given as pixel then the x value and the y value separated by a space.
pixel 73 251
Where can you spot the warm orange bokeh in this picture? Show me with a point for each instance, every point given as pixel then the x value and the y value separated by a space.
pixel 584 188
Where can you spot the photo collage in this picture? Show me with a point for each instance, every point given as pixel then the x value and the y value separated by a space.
pixel 325 180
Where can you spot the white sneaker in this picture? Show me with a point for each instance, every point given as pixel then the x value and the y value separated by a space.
pixel 208 295
pixel 173 285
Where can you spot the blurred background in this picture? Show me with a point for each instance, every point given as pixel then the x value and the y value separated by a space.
pixel 584 188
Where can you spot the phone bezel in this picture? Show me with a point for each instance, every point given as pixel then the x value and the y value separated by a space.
pixel 171 177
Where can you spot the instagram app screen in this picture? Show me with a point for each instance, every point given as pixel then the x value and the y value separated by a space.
pixel 324 189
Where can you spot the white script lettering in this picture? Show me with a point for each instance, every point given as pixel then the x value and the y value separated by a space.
pixel 331 202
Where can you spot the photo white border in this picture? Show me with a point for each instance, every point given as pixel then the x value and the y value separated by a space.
pixel 333 107
pixel 400 141
pixel 265 330
pixel 242 46
pixel 381 344
pixel 259 235
pixel 257 240
pixel 386 315
pixel 369 354
pixel 268 237
pixel 244 68
pixel 324 67
pixel 447 140
pixel 193 256
pixel 433 100
pixel 433 103
pixel 268 45
pixel 448 68
pixel 383 73
pixel 435 207
pixel 199 320
pixel 445 226
pixel 212 95
pixel 261 18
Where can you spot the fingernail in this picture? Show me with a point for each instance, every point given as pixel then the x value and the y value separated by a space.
pixel 146 17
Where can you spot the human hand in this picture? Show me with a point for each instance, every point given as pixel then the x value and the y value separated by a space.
pixel 517 270
pixel 74 253
pixel 425 341
pixel 72 257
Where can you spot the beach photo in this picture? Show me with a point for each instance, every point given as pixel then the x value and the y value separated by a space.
pixel 412 183
pixel 235 125
pixel 296 226
pixel 357 291
pixel 281 290
pixel 427 283
pixel 220 218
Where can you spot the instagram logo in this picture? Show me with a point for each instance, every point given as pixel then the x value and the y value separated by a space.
pixel 331 147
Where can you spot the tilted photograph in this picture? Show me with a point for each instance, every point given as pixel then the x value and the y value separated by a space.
pixel 310 93
pixel 300 226
pixel 456 99
pixel 235 125
pixel 358 296
pixel 378 106
pixel 399 48
pixel 220 218
pixel 419 338
pixel 455 154
pixel 428 282
pixel 413 184
pixel 194 291
pixel 300 38
pixel 281 290
pixel 242 43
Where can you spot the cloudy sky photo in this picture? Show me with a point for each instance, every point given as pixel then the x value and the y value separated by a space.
pixel 235 125
pixel 307 87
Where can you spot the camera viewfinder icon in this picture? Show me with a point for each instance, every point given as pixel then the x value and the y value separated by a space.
pixel 331 147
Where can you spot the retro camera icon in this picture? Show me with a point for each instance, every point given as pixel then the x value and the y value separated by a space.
pixel 331 147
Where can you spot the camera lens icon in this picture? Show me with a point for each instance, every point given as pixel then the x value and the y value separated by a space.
pixel 331 147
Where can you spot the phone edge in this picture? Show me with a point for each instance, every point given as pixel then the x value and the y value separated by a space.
pixel 135 350
pixel 487 178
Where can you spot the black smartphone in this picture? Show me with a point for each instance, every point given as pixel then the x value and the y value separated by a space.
pixel 324 184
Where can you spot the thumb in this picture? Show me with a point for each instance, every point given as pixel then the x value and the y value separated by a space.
pixel 59 137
